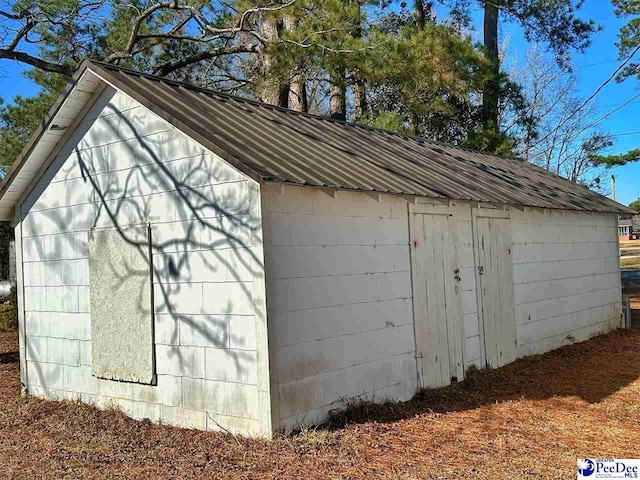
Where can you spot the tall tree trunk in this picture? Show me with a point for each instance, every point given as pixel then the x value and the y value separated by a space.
pixel 418 6
pixel 269 91
pixel 491 92
pixel 297 91
pixel 272 90
pixel 337 104
pixel 359 86
pixel 298 100
pixel 337 98
pixel 360 99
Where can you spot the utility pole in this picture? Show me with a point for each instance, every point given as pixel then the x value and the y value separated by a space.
pixel 613 187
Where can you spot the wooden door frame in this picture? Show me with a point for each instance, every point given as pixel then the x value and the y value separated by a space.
pixel 480 212
pixel 428 209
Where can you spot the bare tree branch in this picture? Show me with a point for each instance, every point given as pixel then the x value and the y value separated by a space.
pixel 195 13
pixel 22 33
pixel 13 16
pixel 167 68
pixel 325 48
pixel 36 62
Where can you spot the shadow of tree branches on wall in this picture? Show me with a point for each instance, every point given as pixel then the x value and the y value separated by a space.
pixel 128 168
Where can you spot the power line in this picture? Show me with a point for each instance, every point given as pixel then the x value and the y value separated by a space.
pixel 615 104
pixel 591 97
pixel 623 134
pixel 608 114
pixel 608 135
pixel 597 63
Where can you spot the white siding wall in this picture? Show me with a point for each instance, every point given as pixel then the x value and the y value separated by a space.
pixel 128 166
pixel 340 305
pixel 567 277
pixel 340 295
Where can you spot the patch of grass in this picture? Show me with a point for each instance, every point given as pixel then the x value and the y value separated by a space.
pixel 629 262
pixel 314 436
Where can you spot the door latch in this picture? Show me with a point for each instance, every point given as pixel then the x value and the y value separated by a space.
pixel 480 270
pixel 457 275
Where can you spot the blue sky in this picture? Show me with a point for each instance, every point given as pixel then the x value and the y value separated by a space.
pixel 603 49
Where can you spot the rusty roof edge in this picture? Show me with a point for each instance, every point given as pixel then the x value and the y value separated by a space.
pixel 624 208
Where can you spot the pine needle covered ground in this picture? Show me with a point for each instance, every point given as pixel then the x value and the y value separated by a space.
pixel 531 419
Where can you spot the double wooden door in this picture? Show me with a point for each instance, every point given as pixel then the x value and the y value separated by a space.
pixel 437 290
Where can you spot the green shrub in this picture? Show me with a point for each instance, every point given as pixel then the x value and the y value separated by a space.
pixel 9 309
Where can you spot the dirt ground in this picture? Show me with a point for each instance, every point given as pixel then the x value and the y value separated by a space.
pixel 531 419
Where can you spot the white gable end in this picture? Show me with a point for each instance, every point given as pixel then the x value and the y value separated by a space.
pixel 123 166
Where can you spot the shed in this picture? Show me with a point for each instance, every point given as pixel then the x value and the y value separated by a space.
pixel 211 262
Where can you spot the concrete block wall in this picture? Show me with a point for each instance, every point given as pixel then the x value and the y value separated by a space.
pixel 125 166
pixel 340 300
pixel 566 277
pixel 329 295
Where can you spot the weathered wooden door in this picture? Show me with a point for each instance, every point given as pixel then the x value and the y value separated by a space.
pixel 492 241
pixel 437 297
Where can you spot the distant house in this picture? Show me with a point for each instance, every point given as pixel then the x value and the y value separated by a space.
pixel 212 262
pixel 628 225
pixel 625 225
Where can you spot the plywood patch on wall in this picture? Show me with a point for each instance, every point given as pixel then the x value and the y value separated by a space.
pixel 121 304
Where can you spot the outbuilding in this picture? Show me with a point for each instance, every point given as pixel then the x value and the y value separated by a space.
pixel 212 262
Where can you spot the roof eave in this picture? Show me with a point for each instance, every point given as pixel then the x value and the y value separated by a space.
pixel 43 127
pixel 7 207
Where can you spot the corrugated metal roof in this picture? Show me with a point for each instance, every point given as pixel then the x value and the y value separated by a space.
pixel 271 143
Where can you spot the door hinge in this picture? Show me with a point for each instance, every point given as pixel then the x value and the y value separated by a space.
pixel 480 270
